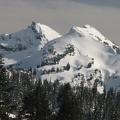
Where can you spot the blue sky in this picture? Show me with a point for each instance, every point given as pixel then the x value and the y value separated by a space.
pixel 61 15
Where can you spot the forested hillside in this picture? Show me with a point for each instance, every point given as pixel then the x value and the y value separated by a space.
pixel 24 98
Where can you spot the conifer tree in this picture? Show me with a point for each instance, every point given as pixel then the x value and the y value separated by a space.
pixel 65 97
pixel 67 67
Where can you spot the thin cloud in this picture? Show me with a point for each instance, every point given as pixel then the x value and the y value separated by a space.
pixel 112 3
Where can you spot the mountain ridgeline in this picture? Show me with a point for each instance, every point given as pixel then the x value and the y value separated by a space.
pixel 83 54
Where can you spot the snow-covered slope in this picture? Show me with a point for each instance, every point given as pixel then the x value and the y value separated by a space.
pixel 88 30
pixel 82 54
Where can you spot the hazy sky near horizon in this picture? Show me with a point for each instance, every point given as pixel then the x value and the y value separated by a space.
pixel 61 15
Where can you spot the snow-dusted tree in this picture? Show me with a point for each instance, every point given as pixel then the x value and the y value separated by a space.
pixel 67 67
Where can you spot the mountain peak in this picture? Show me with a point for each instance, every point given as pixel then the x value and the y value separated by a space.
pixel 34 35
pixel 86 30
pixel 36 27
pixel 33 23
pixel 89 31
pixel 87 26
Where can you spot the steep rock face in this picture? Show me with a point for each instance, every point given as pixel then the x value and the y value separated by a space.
pixel 83 54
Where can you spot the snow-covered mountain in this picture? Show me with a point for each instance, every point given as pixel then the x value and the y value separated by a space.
pixel 82 54
pixel 26 42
